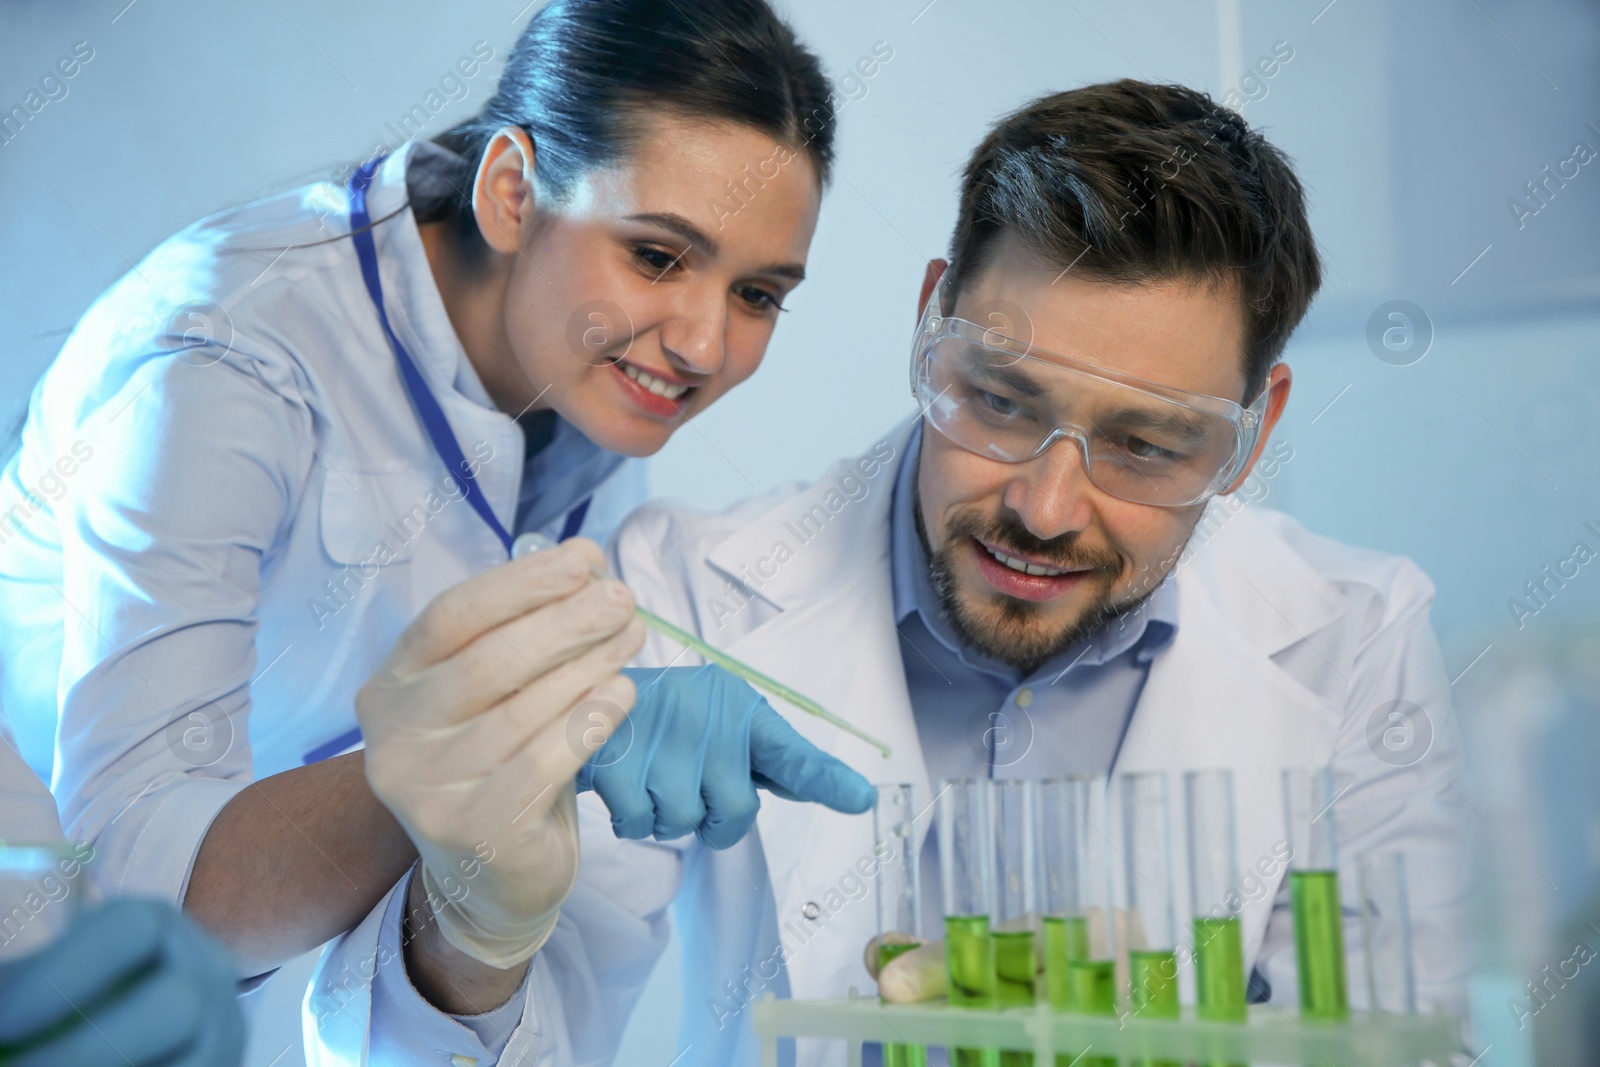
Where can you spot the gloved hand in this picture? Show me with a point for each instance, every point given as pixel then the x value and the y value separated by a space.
pixel 469 743
pixel 130 983
pixel 690 756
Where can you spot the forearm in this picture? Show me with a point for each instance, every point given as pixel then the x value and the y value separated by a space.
pixel 295 860
pixel 446 977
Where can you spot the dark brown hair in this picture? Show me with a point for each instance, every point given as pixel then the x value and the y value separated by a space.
pixel 1127 181
pixel 584 71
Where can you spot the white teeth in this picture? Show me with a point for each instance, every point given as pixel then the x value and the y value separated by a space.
pixel 1023 566
pixel 654 384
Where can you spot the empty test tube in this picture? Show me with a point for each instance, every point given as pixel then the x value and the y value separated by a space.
pixel 1386 933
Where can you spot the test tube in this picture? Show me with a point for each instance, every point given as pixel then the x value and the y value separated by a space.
pixel 899 897
pixel 1016 900
pixel 1386 933
pixel 1151 932
pixel 1213 898
pixel 966 877
pixel 1314 893
pixel 1080 975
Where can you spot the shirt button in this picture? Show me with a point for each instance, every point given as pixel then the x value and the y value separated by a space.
pixel 811 911
pixel 1024 697
pixel 458 1060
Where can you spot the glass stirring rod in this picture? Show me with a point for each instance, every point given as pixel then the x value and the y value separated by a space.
pixel 534 542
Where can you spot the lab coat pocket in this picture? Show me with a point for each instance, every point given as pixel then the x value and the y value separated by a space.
pixel 374 518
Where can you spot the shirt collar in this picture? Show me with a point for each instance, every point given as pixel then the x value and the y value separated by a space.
pixel 1146 630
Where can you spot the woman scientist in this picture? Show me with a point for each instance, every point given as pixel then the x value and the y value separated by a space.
pixel 263 451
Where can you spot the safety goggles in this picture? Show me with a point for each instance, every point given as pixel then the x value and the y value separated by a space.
pixel 1003 398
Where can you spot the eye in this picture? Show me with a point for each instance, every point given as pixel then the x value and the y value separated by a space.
pixel 1139 448
pixel 758 299
pixel 656 261
pixel 1000 405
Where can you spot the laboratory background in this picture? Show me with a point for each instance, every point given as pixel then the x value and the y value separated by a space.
pixel 1446 383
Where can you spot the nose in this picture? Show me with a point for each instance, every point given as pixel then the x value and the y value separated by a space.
pixel 692 338
pixel 1051 492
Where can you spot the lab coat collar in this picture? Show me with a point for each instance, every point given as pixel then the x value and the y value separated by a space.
pixel 410 293
pixel 793 554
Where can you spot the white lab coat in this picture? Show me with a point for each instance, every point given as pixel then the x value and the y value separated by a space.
pixel 189 563
pixel 1286 645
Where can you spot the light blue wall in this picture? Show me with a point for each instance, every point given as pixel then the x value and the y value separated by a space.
pixel 1412 125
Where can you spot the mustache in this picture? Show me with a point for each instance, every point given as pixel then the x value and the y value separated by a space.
pixel 1006 531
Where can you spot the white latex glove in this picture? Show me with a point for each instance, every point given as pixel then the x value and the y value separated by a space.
pixel 476 726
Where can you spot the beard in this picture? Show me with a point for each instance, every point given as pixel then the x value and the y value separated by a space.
pixel 1013 631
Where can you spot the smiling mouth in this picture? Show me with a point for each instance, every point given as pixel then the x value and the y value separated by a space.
pixel 659 386
pixel 1022 566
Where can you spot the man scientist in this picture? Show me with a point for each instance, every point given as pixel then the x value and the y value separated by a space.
pixel 1010 583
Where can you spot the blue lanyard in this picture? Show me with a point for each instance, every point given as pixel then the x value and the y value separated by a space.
pixel 427 406
pixel 422 398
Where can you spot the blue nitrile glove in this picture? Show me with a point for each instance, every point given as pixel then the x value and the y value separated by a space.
pixel 132 982
pixel 690 755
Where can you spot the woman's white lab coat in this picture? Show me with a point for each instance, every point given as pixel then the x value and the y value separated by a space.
pixel 1289 648
pixel 225 511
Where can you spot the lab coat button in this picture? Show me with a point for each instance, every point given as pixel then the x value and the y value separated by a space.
pixel 811 911
pixel 1024 697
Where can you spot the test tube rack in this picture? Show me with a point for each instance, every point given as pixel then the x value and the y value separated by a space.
pixel 1270 1035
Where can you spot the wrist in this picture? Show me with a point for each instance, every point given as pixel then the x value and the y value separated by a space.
pixel 448 978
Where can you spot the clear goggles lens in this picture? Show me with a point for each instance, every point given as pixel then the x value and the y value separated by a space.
pixel 1140 441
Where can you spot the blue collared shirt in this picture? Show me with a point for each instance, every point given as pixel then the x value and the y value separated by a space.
pixel 977 717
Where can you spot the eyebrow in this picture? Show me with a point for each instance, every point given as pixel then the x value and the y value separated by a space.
pixel 1009 375
pixel 697 238
pixel 1187 427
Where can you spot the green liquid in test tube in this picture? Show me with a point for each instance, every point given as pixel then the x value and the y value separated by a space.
pixel 1220 991
pixel 1219 967
pixel 1314 894
pixel 1066 939
pixel 1075 895
pixel 1153 984
pixel 1152 934
pixel 1319 944
pixel 966 879
pixel 1016 965
pixel 1016 901
pixel 970 957
pixel 899 894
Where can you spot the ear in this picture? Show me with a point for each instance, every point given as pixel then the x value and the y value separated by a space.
pixel 930 278
pixel 502 191
pixel 1278 395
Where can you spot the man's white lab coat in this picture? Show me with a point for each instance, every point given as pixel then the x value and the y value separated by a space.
pixel 1291 650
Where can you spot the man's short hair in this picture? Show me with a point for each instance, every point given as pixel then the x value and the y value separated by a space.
pixel 1131 182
